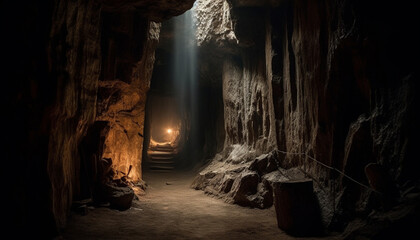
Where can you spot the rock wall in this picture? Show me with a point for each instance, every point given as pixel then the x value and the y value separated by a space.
pixel 246 105
pixel 214 24
pixel 106 74
pixel 238 39
pixel 129 42
pixel 327 80
pixel 338 75
pixel 335 79
pixel 59 97
pixel 75 58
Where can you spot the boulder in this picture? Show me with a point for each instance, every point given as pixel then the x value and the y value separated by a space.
pixel 244 186
pixel 264 164
pixel 264 197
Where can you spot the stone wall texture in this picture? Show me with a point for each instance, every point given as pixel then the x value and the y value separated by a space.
pixel 75 58
pixel 329 80
pixel 333 80
pixel 70 89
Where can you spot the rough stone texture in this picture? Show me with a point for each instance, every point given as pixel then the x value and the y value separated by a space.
pixel 243 186
pixel 265 163
pixel 247 109
pixel 126 42
pixel 94 170
pixel 399 222
pixel 341 75
pixel 155 10
pixel 335 92
pixel 214 24
pixel 74 56
pixel 122 91
pixel 248 113
pixel 55 53
pixel 123 143
pixel 243 179
pixel 336 79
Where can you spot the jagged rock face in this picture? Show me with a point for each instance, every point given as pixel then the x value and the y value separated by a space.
pixel 75 57
pixel 102 75
pixel 339 74
pixel 122 91
pixel 248 119
pixel 214 24
pixel 332 88
pixel 124 142
pixel 248 111
pixel 155 10
pixel 319 78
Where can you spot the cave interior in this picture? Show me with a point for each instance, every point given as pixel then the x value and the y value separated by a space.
pixel 211 119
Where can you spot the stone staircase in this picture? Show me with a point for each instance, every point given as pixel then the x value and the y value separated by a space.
pixel 161 158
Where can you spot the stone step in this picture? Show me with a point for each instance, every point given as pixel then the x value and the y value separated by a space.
pixel 161 170
pixel 159 167
pixel 164 149
pixel 161 157
pixel 161 161
pixel 160 153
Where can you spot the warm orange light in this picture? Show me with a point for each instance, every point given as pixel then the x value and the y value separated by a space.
pixel 169 130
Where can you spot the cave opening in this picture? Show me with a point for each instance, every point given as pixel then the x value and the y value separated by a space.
pixel 172 128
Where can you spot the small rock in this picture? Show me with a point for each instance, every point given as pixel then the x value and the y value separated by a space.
pixel 259 164
pixel 264 164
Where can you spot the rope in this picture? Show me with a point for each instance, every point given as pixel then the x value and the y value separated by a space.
pixel 331 168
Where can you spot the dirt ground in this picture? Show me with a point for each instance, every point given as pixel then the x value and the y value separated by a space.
pixel 172 210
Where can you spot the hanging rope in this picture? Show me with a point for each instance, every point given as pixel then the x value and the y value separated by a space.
pixel 331 168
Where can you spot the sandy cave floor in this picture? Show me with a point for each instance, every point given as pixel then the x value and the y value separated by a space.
pixel 172 210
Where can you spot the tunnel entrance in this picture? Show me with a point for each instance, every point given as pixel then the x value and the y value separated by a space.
pixel 167 132
pixel 171 109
